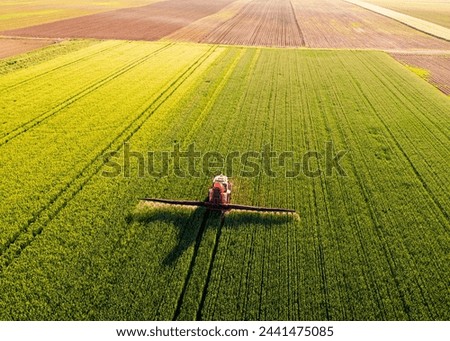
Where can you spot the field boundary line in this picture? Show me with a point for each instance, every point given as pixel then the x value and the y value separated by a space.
pixel 23 128
pixel 73 187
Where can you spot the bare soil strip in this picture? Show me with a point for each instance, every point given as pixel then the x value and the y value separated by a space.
pixel 11 47
pixel 438 67
pixel 150 22
pixel 419 24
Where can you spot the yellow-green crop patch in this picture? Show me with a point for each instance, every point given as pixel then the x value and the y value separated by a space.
pixel 371 241
pixel 422 73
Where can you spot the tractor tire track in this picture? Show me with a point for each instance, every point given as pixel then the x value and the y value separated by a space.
pixel 300 32
pixel 199 316
pixel 198 240
pixel 204 114
pixel 399 96
pixel 35 226
pixel 223 80
pixel 36 121
pixel 212 283
pixel 228 23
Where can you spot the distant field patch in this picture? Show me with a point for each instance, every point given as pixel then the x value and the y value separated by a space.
pixel 339 24
pixel 12 47
pixel 434 68
pixel 320 23
pixel 259 23
pixel 150 22
pixel 273 23
pixel 416 23
pixel 18 13
pixel 436 11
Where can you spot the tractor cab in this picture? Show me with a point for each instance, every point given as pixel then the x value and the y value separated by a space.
pixel 220 191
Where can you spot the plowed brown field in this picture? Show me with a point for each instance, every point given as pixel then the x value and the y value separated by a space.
pixel 260 22
pixel 338 24
pixel 322 23
pixel 280 23
pixel 198 30
pixel 11 47
pixel 438 67
pixel 150 22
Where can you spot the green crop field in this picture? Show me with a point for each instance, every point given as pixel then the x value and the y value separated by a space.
pixel 370 241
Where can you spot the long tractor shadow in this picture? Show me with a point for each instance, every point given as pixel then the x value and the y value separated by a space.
pixel 185 219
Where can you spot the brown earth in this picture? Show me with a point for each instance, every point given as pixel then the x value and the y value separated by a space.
pixel 318 24
pixel 150 22
pixel 437 65
pixel 10 47
pixel 338 24
pixel 280 23
pixel 260 23
pixel 198 30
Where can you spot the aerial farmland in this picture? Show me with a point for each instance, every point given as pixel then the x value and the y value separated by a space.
pixel 337 113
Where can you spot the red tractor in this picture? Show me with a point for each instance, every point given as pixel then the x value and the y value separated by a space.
pixel 219 198
pixel 220 191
